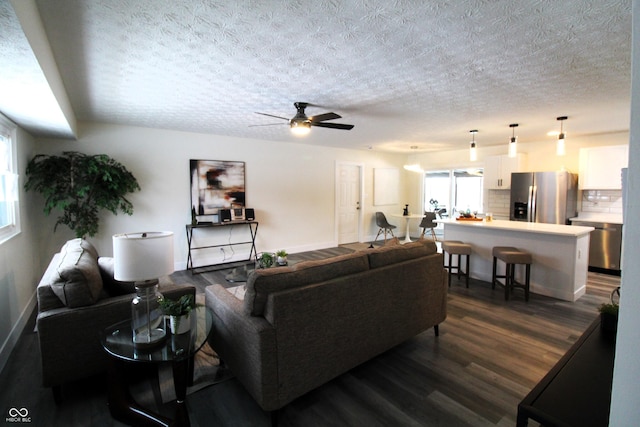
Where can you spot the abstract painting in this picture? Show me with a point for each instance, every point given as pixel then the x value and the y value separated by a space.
pixel 216 184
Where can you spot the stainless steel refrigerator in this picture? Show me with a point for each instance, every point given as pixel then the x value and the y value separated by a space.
pixel 549 197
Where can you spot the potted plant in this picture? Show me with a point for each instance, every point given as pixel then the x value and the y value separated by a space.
pixel 80 186
pixel 178 312
pixel 609 313
pixel 265 260
pixel 282 257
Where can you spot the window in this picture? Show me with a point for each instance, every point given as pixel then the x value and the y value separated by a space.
pixel 468 190
pixel 9 214
pixel 463 186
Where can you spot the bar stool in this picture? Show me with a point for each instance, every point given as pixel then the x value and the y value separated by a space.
pixel 456 247
pixel 511 257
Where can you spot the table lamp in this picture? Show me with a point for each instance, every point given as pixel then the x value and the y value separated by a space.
pixel 142 258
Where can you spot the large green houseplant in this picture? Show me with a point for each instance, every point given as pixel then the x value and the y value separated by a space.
pixel 80 186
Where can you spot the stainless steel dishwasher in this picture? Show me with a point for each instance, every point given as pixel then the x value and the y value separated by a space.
pixel 606 244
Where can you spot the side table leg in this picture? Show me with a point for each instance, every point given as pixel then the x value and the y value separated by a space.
pixel 123 406
pixel 181 376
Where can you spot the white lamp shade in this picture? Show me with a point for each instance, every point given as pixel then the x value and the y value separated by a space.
pixel 560 148
pixel 473 154
pixel 142 256
pixel 513 150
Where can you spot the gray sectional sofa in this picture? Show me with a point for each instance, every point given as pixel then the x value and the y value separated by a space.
pixel 77 298
pixel 292 329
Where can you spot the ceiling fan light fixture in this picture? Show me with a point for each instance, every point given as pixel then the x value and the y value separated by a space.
pixel 560 146
pixel 473 154
pixel 513 148
pixel 300 127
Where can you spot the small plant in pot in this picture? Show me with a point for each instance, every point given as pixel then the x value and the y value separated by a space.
pixel 609 313
pixel 178 312
pixel 266 260
pixel 282 257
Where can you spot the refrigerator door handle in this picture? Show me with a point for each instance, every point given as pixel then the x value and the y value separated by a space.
pixel 531 203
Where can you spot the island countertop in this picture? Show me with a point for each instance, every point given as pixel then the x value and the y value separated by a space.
pixel 526 227
pixel 560 252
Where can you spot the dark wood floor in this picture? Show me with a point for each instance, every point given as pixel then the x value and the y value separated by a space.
pixel 489 354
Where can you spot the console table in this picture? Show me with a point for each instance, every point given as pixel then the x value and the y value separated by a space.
pixel 577 390
pixel 253 231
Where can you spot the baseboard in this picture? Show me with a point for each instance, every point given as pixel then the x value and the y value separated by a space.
pixel 13 337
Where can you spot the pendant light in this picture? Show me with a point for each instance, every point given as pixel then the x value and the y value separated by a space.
pixel 560 150
pixel 513 141
pixel 473 155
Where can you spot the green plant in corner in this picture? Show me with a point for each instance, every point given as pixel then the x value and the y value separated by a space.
pixel 609 312
pixel 80 186
pixel 609 308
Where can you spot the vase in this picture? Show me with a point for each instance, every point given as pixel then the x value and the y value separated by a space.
pixel 147 320
pixel 180 324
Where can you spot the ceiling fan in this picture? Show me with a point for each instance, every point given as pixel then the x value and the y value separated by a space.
pixel 301 124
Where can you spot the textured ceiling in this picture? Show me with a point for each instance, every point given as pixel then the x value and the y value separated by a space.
pixel 405 73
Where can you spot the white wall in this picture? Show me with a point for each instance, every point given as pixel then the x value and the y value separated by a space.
pixel 290 185
pixel 625 395
pixel 20 262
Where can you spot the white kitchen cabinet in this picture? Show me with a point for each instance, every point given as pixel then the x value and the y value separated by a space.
pixel 600 167
pixel 498 169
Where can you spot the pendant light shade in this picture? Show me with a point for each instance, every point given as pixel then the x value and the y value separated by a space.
pixel 473 155
pixel 560 148
pixel 513 150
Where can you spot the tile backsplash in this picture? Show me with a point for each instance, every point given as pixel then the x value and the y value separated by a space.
pixel 601 201
pixel 498 203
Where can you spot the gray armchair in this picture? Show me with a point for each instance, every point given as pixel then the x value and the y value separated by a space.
pixel 77 298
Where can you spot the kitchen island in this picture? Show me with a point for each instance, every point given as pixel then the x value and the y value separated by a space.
pixel 560 252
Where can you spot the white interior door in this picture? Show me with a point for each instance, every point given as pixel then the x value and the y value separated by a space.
pixel 348 193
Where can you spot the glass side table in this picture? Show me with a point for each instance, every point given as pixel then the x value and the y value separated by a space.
pixel 178 350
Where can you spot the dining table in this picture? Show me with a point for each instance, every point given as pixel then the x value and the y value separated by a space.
pixel 407 218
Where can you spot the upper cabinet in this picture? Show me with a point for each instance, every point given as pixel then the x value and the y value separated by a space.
pixel 498 169
pixel 600 167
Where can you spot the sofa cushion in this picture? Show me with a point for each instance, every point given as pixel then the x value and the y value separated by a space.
pixel 78 282
pixel 262 282
pixel 386 255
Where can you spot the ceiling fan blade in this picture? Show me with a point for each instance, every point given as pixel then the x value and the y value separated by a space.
pixel 271 115
pixel 268 124
pixel 325 116
pixel 332 125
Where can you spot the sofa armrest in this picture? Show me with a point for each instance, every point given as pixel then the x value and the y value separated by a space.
pixel 246 343
pixel 69 338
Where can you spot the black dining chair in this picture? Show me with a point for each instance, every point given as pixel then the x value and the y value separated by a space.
pixel 428 224
pixel 381 221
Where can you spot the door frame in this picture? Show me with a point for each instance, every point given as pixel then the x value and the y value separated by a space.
pixel 360 166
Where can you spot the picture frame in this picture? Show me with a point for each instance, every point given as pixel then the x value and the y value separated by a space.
pixel 386 186
pixel 216 184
